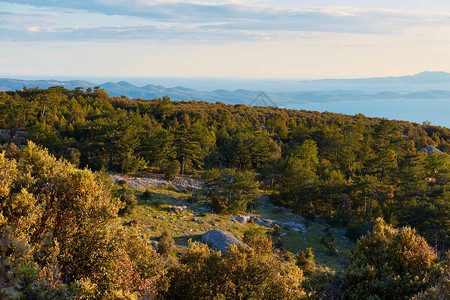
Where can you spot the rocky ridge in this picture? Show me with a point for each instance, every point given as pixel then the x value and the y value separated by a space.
pixel 244 219
pixel 142 182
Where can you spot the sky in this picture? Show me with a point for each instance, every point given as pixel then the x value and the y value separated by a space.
pixel 304 39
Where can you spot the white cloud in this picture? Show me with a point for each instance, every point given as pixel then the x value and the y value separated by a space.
pixel 220 38
pixel 202 21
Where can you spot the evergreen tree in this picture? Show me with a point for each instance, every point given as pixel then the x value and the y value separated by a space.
pixel 231 189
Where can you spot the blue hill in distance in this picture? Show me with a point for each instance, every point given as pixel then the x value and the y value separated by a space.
pixel 425 85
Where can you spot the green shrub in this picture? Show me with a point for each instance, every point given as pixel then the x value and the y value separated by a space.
pixel 122 182
pixel 166 245
pixel 324 283
pixel 256 238
pixel 231 189
pixel 172 170
pixel 329 243
pixel 73 156
pixel 277 231
pixel 357 229
pixel 305 260
pixel 129 200
pixel 64 240
pixel 219 204
pixel 147 195
pixel 390 263
pixel 11 150
pixel 241 273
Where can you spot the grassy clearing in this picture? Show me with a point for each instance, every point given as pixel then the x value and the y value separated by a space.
pixel 154 216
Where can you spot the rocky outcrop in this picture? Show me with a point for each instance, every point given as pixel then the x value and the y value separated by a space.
pixel 431 149
pixel 299 227
pixel 244 219
pixel 220 240
pixel 142 182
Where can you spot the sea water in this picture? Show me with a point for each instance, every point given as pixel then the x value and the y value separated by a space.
pixel 436 111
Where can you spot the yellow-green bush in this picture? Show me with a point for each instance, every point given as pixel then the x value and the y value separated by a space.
pixel 240 273
pixel 65 221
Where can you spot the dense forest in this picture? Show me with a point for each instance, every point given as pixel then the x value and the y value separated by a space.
pixel 350 171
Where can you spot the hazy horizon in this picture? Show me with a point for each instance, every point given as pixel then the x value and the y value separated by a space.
pixel 252 84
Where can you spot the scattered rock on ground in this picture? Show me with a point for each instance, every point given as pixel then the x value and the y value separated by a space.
pixel 220 240
pixel 203 209
pixel 141 182
pixel 263 222
pixel 244 219
pixel 178 209
pixel 298 227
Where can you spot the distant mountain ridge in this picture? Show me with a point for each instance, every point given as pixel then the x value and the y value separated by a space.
pixel 322 90
pixel 423 77
pixel 7 84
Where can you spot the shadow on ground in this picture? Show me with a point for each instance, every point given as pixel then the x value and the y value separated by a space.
pixel 184 239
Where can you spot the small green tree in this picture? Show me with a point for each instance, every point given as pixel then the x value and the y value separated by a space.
pixel 298 183
pixel 129 201
pixel 331 188
pixel 277 231
pixel 256 238
pixel 305 260
pixel 172 170
pixel 166 245
pixel 231 189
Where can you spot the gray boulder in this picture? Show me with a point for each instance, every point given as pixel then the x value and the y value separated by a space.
pixel 263 222
pixel 298 227
pixel 431 149
pixel 242 219
pixel 220 240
